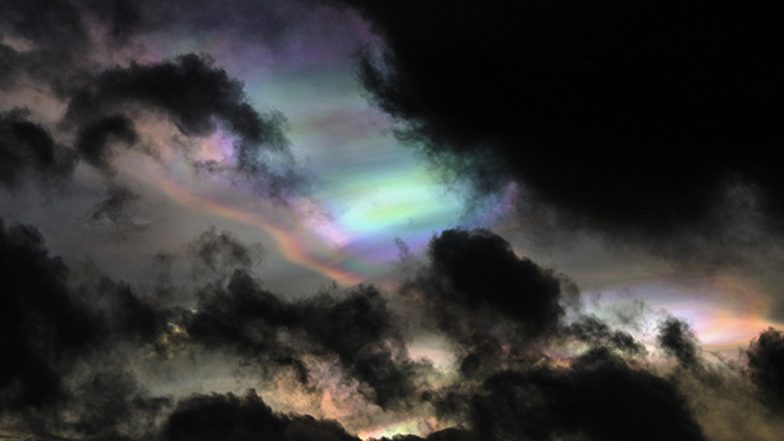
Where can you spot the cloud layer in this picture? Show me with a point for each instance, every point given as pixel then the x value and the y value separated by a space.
pixel 635 119
pixel 514 379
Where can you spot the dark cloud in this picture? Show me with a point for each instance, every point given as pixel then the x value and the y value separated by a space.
pixel 131 317
pixel 115 205
pixel 595 332
pixel 477 271
pixel 56 35
pixel 93 140
pixel 61 33
pixel 199 98
pixel 193 92
pixel 49 330
pixel 490 302
pixel 242 315
pixel 109 404
pixel 231 418
pixel 42 326
pixel 599 398
pixel 766 365
pixel 69 350
pixel 442 435
pixel 222 252
pixel 367 338
pixel 678 340
pixel 260 22
pixel 357 328
pixel 631 117
pixel 27 149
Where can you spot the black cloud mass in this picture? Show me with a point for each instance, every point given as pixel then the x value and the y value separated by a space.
pixel 27 149
pixel 56 337
pixel 766 365
pixel 634 118
pixel 599 397
pixel 190 90
pixel 43 326
pixel 232 418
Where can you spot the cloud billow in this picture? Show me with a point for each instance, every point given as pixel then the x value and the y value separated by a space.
pixel 633 118
pixel 28 150
pixel 68 345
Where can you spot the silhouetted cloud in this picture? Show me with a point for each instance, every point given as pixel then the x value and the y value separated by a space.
pixel 598 398
pixel 593 331
pixel 642 120
pixel 68 349
pixel 441 435
pixel 93 140
pixel 27 150
pixel 114 207
pixel 678 340
pixel 195 94
pixel 632 118
pixel 221 251
pixel 50 330
pixel 42 326
pixel 56 34
pixel 367 338
pixel 477 272
pixel 358 328
pixel 231 418
pixel 766 365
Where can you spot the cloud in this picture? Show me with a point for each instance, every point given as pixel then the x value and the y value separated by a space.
pixel 55 41
pixel 477 271
pixel 619 114
pixel 678 340
pixel 492 304
pixel 766 364
pixel 357 328
pixel 258 22
pixel 598 398
pixel 367 338
pixel 221 251
pixel 197 96
pixel 61 345
pixel 93 140
pixel 115 205
pixel 595 332
pixel 441 435
pixel 27 149
pixel 109 404
pixel 53 36
pixel 42 326
pixel 79 352
pixel 231 418
pixel 189 89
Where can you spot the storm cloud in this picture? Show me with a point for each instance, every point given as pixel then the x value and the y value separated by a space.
pixel 633 118
pixel 67 344
pixel 27 150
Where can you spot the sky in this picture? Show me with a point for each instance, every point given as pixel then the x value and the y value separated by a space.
pixel 333 219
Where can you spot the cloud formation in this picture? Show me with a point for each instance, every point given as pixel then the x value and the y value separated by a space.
pixel 70 347
pixel 27 150
pixel 57 49
pixel 766 360
pixel 635 119
pixel 231 418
